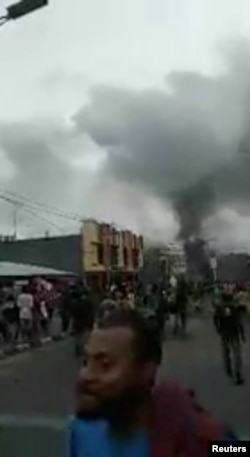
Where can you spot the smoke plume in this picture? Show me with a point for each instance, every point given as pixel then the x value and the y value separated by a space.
pixel 182 143
pixel 185 147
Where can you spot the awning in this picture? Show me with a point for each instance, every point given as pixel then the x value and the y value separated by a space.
pixel 19 270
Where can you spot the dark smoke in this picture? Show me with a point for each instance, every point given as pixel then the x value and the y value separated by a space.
pixel 187 144
pixel 192 206
pixel 182 144
pixel 229 184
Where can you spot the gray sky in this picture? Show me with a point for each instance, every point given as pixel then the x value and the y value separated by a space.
pixel 52 63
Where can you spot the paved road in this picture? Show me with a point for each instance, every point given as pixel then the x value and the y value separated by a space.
pixel 197 364
pixel 41 383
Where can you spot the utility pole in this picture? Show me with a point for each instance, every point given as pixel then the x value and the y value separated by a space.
pixel 108 264
pixel 16 208
pixel 15 220
pixel 22 8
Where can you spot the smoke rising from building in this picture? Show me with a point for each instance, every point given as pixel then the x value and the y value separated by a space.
pixel 186 145
pixel 182 144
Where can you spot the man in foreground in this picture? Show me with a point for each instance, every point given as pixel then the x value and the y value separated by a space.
pixel 122 412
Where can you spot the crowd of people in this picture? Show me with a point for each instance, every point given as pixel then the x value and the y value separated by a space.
pixel 227 302
pixel 119 335
pixel 27 310
pixel 122 409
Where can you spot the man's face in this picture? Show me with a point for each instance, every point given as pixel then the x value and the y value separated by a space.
pixel 112 381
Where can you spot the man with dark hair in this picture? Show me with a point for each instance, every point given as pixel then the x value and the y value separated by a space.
pixel 108 305
pixel 121 411
pixel 82 315
pixel 147 345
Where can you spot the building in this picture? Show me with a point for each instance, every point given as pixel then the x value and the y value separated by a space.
pixel 151 271
pixel 60 253
pixel 100 252
pixel 160 262
pixel 109 253
pixel 233 267
pixel 174 258
pixel 198 259
pixel 19 271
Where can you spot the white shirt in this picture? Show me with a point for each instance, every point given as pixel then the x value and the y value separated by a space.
pixel 173 281
pixel 43 310
pixel 25 304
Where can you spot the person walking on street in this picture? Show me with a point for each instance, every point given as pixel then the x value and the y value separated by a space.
pixel 161 312
pixel 82 316
pixel 44 318
pixel 25 304
pixel 4 333
pixel 107 305
pixel 229 325
pixel 64 309
pixel 181 303
pixel 11 317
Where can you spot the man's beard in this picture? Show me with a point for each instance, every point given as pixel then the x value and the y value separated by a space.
pixel 118 411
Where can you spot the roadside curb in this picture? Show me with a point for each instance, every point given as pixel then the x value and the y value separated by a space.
pixel 24 347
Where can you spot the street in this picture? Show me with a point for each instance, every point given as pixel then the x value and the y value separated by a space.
pixel 41 383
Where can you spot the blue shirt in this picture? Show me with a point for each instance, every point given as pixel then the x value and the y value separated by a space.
pixel 93 439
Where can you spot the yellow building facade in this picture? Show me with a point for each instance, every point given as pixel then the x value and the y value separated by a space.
pixel 107 250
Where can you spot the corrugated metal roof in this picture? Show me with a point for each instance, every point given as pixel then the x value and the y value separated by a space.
pixel 9 269
pixel 61 252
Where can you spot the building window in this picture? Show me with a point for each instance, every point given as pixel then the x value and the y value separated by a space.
pixel 125 257
pixel 100 255
pixel 116 238
pixel 135 258
pixel 163 266
pixel 114 256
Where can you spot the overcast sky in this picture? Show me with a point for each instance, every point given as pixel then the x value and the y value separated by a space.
pixel 52 59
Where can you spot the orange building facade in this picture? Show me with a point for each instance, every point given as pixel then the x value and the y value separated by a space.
pixel 108 252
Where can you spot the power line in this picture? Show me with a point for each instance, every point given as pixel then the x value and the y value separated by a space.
pixel 16 199
pixel 3 20
pixel 20 203
pixel 30 204
pixel 31 213
pixel 47 221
